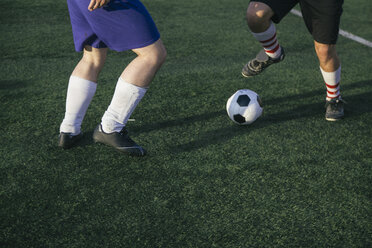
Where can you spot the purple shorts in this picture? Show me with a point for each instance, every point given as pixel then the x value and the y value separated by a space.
pixel 120 25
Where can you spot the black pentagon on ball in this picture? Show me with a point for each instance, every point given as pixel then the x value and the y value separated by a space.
pixel 243 100
pixel 239 119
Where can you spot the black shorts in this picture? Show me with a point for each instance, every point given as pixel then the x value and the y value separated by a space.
pixel 322 17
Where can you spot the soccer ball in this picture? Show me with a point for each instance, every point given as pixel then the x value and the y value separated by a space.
pixel 244 107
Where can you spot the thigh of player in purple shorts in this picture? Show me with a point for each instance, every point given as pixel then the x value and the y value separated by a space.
pixel 121 24
pixel 82 31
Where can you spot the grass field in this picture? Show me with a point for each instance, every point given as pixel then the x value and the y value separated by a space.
pixel 291 179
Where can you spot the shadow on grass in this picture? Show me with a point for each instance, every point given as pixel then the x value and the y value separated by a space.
pixel 361 104
pixel 87 139
pixel 11 84
pixel 300 97
pixel 277 100
pixel 357 105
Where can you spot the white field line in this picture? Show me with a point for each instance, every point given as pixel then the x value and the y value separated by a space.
pixel 342 32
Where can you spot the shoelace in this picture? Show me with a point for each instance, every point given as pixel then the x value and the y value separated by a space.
pixel 334 103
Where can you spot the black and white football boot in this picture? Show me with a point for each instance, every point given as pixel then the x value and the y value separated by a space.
pixel 119 140
pixel 260 63
pixel 67 140
pixel 334 109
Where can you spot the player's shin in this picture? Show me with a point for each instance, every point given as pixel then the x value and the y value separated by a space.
pixel 79 95
pixel 125 100
pixel 332 82
pixel 269 41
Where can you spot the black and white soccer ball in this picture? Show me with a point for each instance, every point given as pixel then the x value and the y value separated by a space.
pixel 244 107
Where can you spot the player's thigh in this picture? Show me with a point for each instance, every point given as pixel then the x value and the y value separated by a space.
pixel 277 9
pixel 322 19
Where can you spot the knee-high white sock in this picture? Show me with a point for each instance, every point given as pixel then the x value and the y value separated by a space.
pixel 79 95
pixel 123 103
pixel 269 41
pixel 332 81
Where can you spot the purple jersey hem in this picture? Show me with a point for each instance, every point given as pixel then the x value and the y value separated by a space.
pixel 122 49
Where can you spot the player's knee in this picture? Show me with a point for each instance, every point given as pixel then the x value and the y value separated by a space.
pixel 161 55
pixel 94 58
pixel 157 56
pixel 258 15
pixel 96 63
pixel 325 52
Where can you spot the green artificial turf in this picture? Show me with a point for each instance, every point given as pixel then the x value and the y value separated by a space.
pixel 291 179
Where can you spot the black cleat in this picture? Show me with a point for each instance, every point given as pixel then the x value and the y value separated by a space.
pixel 258 64
pixel 67 140
pixel 119 140
pixel 334 109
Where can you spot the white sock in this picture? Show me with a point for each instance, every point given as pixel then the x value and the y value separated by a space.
pixel 123 103
pixel 269 41
pixel 332 81
pixel 79 95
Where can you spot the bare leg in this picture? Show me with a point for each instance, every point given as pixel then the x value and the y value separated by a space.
pixel 81 89
pixel 327 56
pixel 259 17
pixel 143 68
pixel 91 63
pixel 330 67
pixel 264 31
pixel 132 86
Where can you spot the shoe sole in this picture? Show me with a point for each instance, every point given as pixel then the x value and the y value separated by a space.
pixel 123 151
pixel 247 76
pixel 332 119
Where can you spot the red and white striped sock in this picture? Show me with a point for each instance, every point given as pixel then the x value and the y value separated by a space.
pixel 332 81
pixel 269 42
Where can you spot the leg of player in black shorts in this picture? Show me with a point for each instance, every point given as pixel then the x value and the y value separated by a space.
pixel 322 20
